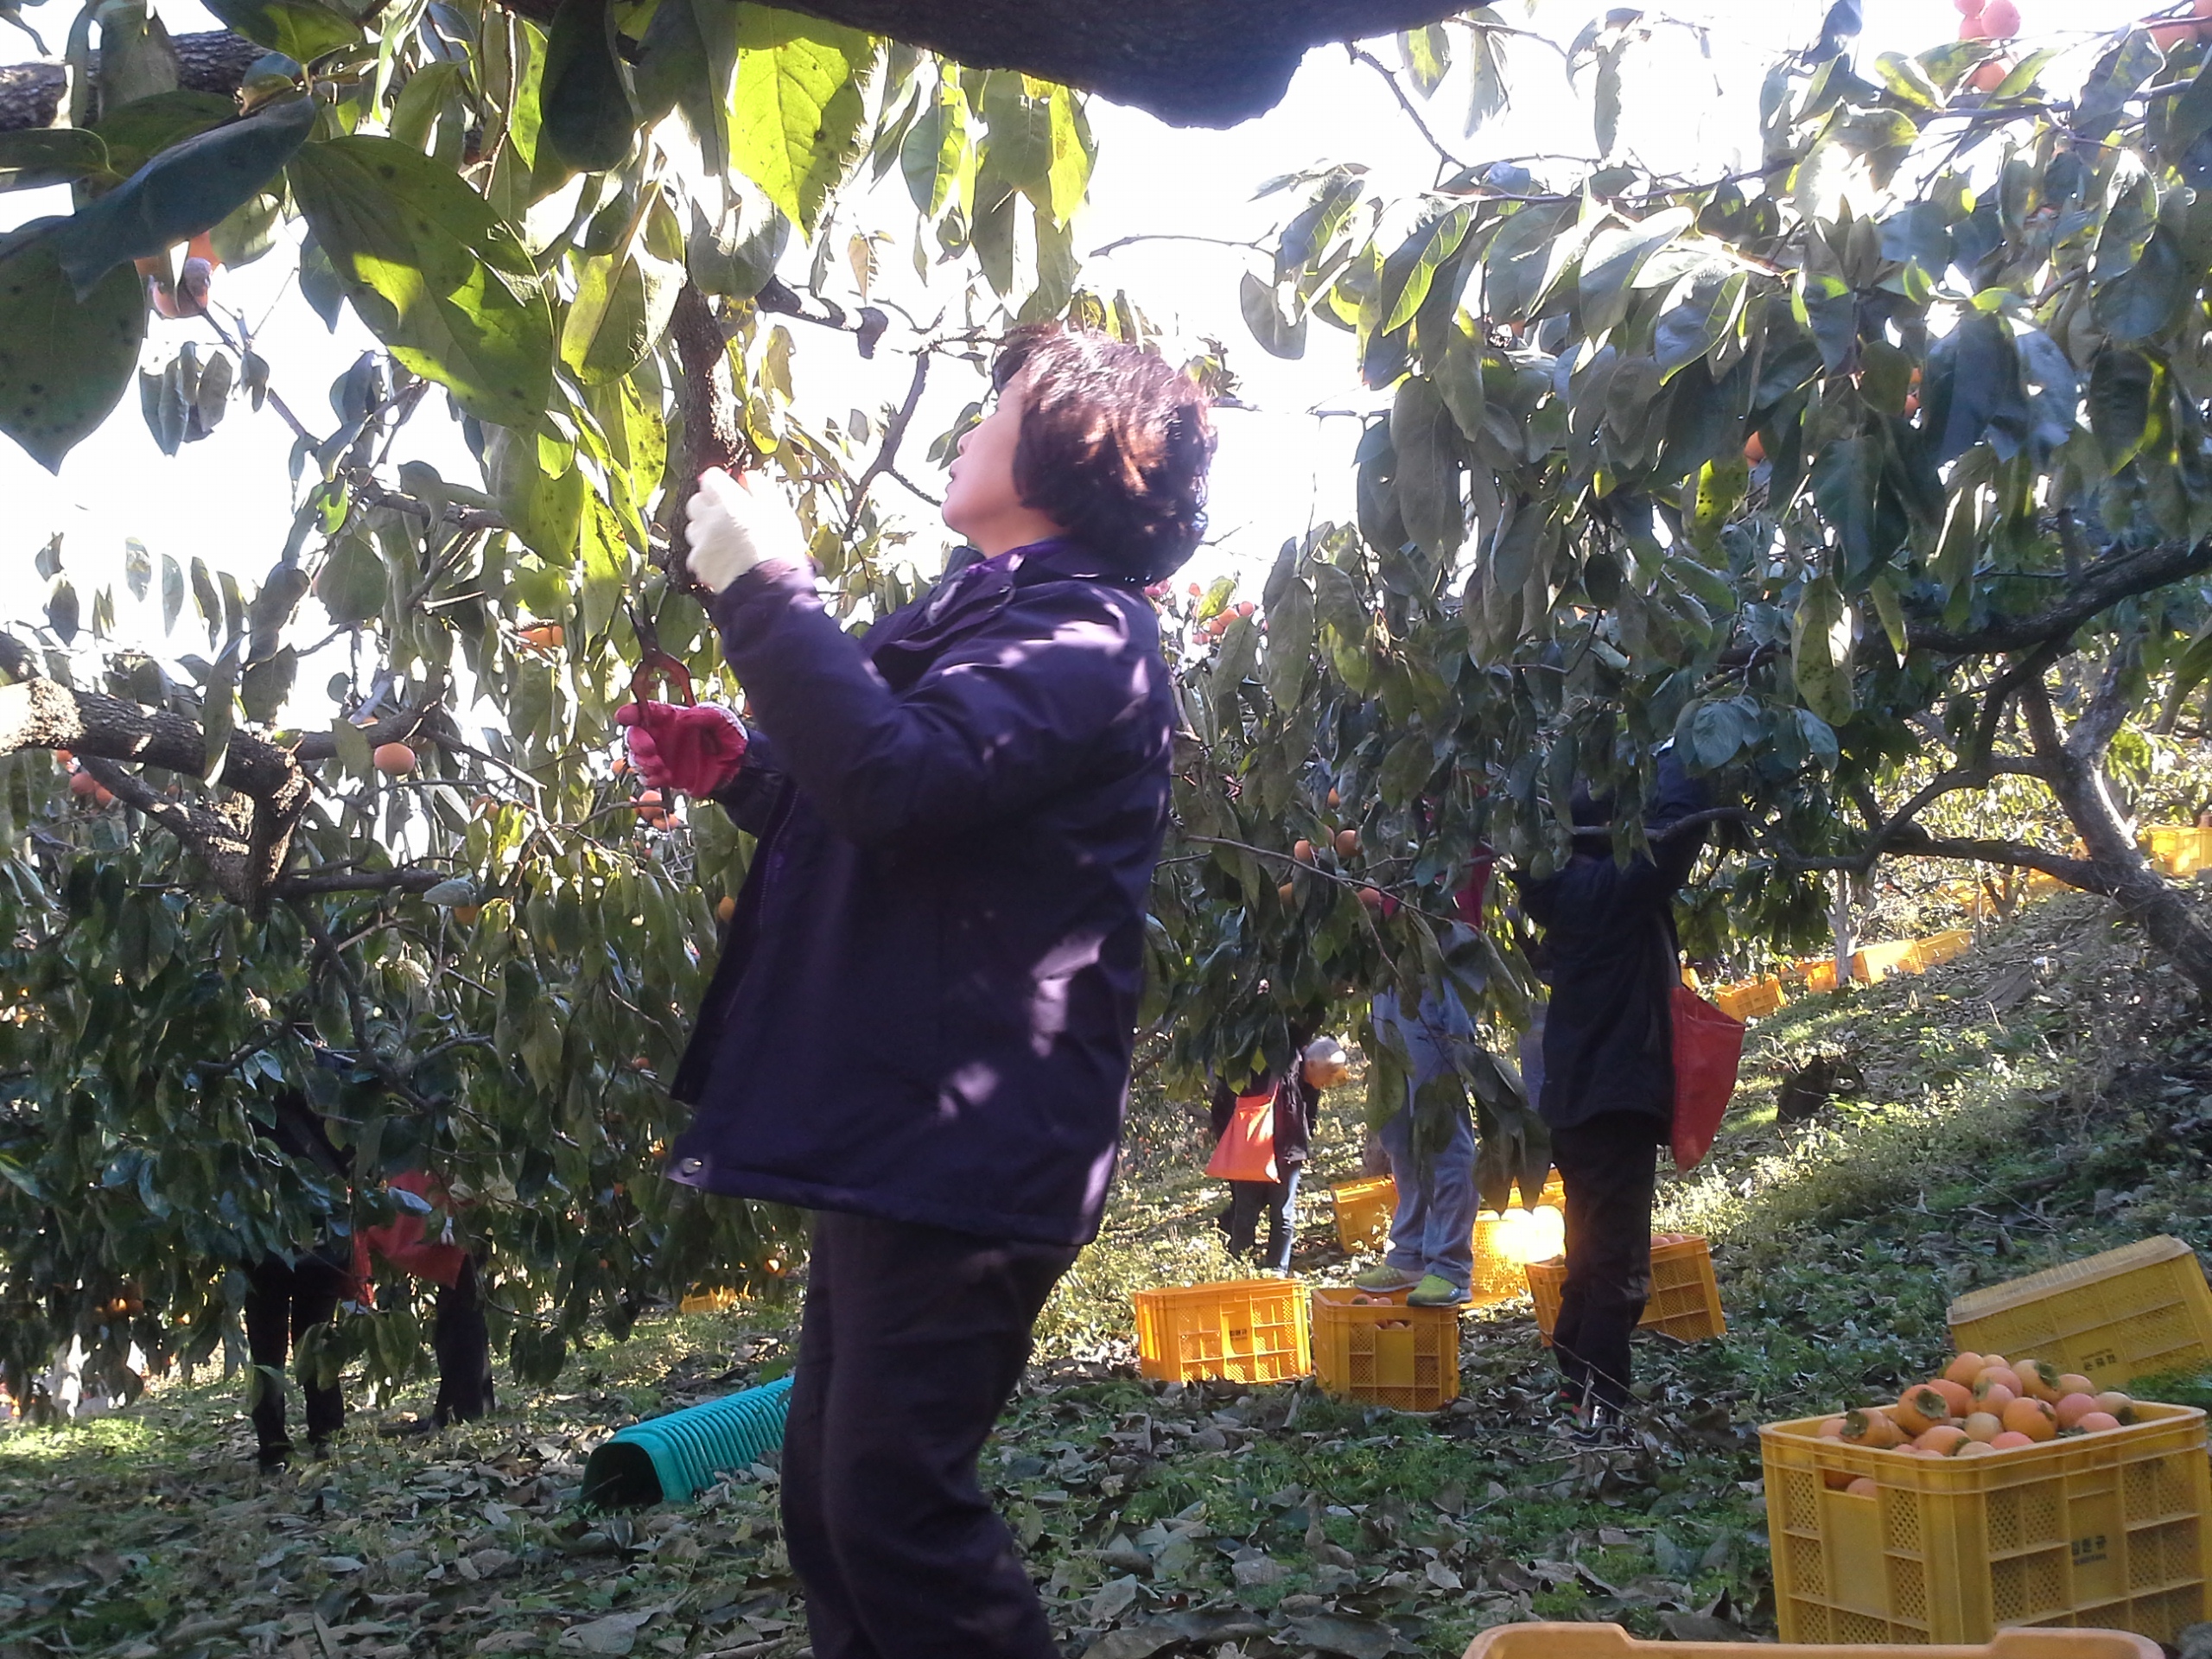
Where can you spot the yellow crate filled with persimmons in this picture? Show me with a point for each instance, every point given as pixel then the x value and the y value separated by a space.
pixel 1507 1241
pixel 1377 1349
pixel 1997 1492
pixel 1364 1210
pixel 1684 1302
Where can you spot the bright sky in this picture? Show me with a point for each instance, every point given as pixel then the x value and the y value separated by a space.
pixel 227 499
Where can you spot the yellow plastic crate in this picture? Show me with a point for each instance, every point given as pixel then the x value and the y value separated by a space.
pixel 1939 948
pixel 1685 1300
pixel 2129 1313
pixel 1386 1353
pixel 707 1301
pixel 1242 1330
pixel 2179 848
pixel 2104 1530
pixel 1876 962
pixel 1611 1641
pixel 1499 1274
pixel 1364 1211
pixel 1751 1000
pixel 1821 975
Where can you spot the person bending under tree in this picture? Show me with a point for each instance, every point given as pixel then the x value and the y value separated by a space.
pixel 921 1023
pixel 1608 1075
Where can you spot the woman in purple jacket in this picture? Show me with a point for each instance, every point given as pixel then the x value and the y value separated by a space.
pixel 921 1023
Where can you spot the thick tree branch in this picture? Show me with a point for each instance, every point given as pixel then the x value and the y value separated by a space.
pixel 2104 584
pixel 30 94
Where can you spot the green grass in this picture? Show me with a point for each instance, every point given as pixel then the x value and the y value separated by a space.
pixel 2003 1124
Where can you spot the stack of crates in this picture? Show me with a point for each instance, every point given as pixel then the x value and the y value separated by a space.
pixel 2133 1312
pixel 1364 1211
pixel 1240 1330
pixel 1381 1352
pixel 1495 1278
pixel 2105 1530
pixel 1685 1300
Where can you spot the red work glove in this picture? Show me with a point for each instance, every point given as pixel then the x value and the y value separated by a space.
pixel 696 748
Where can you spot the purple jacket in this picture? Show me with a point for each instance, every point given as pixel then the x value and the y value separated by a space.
pixel 925 1007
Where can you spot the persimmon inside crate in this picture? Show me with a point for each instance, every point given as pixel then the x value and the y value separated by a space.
pixel 2134 1312
pixel 1242 1330
pixel 1379 1350
pixel 2105 1530
pixel 1685 1299
pixel 1503 1244
pixel 1364 1210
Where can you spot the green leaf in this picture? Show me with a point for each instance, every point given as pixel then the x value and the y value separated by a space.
pixel 1069 178
pixel 1278 334
pixel 1721 486
pixel 2139 302
pixel 47 156
pixel 301 32
pixel 1888 604
pixel 731 260
pixel 1427 53
pixel 2121 383
pixel 436 275
pixel 1019 129
pixel 936 151
pixel 585 106
pixel 1822 637
pixel 421 100
pixel 796 110
pixel 545 511
pixel 1489 92
pixel 1290 642
pixel 64 362
pixel 1689 331
pixel 1405 769
pixel 352 582
pixel 623 301
pixel 1240 650
pixel 1614 257
pixel 182 191
pixel 1408 273
pixel 1427 439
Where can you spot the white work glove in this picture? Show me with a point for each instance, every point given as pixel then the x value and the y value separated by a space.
pixel 734 527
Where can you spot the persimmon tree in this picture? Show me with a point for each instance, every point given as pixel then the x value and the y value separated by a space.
pixel 1872 475
pixel 367 846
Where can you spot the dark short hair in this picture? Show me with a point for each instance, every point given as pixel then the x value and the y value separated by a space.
pixel 1115 444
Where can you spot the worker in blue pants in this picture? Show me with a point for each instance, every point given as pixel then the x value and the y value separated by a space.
pixel 1432 1253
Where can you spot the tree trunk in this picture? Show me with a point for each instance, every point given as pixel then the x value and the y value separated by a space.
pixel 1839 924
pixel 2149 901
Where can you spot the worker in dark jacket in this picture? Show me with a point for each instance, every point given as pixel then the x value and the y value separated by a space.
pixel 1297 1092
pixel 921 1023
pixel 1608 1075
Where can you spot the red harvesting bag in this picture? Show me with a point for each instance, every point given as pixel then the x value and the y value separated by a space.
pixel 1247 1152
pixel 1708 1047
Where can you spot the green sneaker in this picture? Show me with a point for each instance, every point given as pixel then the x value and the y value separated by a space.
pixel 1436 1291
pixel 1386 1279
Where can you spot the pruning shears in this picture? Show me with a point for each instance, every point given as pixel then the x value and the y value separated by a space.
pixel 655 666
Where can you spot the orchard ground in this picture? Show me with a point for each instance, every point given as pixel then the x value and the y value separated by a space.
pixel 2044 1097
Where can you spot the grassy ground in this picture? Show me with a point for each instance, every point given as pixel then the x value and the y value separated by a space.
pixel 2043 1097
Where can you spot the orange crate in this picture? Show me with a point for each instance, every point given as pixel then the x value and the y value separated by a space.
pixel 2133 1312
pixel 1821 975
pixel 1685 1300
pixel 1244 1330
pixel 1499 1277
pixel 1939 948
pixel 1611 1641
pixel 2105 1530
pixel 1751 1000
pixel 1385 1353
pixel 1364 1211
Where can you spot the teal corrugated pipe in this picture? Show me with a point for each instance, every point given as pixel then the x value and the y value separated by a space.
pixel 668 1459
